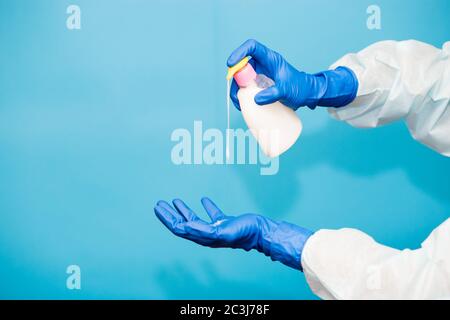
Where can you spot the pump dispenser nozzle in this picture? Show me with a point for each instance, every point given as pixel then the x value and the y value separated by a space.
pixel 237 67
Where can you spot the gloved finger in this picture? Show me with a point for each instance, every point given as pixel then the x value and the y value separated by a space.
pixel 233 94
pixel 184 210
pixel 257 66
pixel 168 220
pixel 249 48
pixel 163 204
pixel 213 211
pixel 201 232
pixel 269 95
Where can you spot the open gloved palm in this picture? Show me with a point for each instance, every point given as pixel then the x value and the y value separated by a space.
pixel 280 240
pixel 221 232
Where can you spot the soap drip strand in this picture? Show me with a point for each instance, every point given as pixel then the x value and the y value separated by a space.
pixel 227 134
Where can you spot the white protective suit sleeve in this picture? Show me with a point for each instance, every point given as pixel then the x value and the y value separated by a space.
pixel 349 264
pixel 406 80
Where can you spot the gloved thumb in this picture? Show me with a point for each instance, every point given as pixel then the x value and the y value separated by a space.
pixel 269 95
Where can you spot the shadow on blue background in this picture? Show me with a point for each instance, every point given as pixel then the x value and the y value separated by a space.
pixel 85 124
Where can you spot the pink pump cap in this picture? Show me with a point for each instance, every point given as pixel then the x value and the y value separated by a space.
pixel 245 76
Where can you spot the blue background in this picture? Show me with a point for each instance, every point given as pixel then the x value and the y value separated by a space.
pixel 85 124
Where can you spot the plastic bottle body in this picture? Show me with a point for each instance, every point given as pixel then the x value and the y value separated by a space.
pixel 275 126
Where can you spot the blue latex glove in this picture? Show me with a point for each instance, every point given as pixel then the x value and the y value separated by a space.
pixel 281 241
pixel 333 88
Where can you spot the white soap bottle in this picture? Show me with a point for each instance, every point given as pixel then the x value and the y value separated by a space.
pixel 275 126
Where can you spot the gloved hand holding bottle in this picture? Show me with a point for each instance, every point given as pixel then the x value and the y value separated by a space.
pixel 281 241
pixel 293 88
